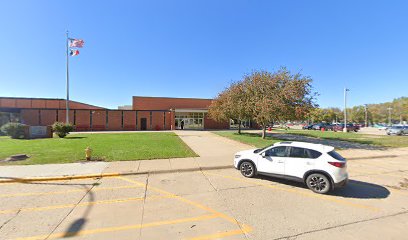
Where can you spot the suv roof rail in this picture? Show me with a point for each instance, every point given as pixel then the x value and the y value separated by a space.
pixel 285 143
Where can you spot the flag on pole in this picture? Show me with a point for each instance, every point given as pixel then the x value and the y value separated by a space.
pixel 78 43
pixel 73 52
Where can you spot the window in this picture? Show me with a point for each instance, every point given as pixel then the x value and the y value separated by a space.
pixel 297 152
pixel 276 152
pixel 313 154
pixel 335 155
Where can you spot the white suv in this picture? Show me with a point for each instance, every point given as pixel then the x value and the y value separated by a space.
pixel 317 165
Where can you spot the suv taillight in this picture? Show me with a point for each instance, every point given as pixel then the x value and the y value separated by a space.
pixel 338 164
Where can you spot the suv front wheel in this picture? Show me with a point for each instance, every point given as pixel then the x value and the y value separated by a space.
pixel 318 183
pixel 247 169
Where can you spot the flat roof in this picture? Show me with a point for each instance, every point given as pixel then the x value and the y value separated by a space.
pixel 175 97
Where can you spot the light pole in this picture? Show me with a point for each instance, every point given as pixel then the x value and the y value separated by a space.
pixel 366 115
pixel 389 116
pixel 345 109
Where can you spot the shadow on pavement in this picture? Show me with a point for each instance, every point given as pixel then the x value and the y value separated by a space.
pixel 76 226
pixel 354 188
pixel 362 190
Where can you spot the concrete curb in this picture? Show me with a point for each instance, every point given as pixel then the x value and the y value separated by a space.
pixel 113 174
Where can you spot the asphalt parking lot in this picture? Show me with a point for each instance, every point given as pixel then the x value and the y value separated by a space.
pixel 216 204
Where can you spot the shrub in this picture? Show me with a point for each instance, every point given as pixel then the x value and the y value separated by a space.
pixel 62 129
pixel 14 130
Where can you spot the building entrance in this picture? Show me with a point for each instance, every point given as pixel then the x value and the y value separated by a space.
pixel 189 120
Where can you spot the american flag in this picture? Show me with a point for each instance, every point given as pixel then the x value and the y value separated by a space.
pixel 78 43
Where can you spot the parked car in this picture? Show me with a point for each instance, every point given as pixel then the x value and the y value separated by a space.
pixel 381 126
pixel 318 166
pixel 397 130
pixel 308 127
pixel 319 126
pixel 350 128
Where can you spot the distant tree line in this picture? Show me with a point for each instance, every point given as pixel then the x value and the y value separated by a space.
pixel 376 113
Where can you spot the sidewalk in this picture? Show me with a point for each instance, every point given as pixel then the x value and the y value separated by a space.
pixel 215 153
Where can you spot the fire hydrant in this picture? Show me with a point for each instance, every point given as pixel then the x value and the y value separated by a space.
pixel 88 153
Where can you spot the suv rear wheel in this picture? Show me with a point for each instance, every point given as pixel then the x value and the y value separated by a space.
pixel 247 169
pixel 318 183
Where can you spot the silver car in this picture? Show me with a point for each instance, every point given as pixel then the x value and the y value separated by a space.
pixel 397 130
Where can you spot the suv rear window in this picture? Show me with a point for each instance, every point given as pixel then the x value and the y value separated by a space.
pixel 335 155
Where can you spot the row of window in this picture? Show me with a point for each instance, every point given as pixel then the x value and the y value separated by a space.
pixel 295 152
pixel 190 115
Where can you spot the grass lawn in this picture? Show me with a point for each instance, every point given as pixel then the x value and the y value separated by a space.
pixel 107 147
pixel 248 138
pixel 256 140
pixel 379 140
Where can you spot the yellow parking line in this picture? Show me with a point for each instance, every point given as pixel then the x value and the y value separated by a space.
pixel 198 205
pixel 122 228
pixel 66 191
pixel 307 194
pixel 245 228
pixel 52 207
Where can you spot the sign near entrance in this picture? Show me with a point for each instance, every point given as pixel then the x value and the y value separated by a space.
pixel 40 132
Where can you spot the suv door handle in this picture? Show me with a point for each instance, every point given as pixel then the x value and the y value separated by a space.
pixel 280 161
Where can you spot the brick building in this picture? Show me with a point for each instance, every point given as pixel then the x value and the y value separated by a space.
pixel 146 113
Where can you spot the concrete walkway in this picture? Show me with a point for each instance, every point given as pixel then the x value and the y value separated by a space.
pixel 214 151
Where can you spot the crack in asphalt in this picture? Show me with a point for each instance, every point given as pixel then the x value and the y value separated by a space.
pixel 143 205
pixel 15 215
pixel 341 225
pixel 63 219
pixel 225 202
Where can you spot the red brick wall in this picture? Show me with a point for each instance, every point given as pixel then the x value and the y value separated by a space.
pixel 114 120
pixel 169 120
pixel 99 120
pixel 30 117
pixel 7 102
pixel 36 103
pixel 160 103
pixel 23 103
pixel 129 120
pixel 82 120
pixel 42 103
pixel 48 117
pixel 157 120
pixel 212 124
pixel 55 104
pixel 61 116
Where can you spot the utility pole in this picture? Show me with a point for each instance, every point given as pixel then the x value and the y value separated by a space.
pixel 345 109
pixel 366 115
pixel 389 116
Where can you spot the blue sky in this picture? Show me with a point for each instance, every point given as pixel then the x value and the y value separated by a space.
pixel 196 48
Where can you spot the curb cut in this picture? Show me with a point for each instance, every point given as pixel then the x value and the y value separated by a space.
pixel 113 174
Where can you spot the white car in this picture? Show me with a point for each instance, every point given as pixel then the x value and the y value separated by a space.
pixel 318 166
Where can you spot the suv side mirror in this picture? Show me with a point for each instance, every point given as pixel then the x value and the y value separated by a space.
pixel 263 154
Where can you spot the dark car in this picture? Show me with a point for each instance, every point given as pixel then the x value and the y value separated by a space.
pixel 350 128
pixel 307 127
pixel 319 126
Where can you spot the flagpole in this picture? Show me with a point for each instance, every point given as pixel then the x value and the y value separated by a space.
pixel 67 102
